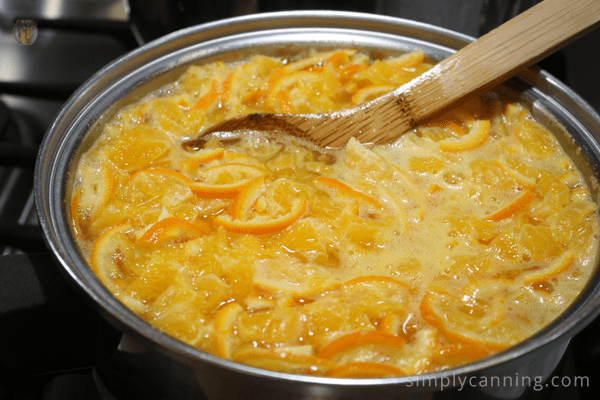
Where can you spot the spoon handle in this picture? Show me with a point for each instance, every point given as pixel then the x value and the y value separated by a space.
pixel 494 57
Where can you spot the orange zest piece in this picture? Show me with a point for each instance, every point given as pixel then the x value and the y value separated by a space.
pixel 169 230
pixel 508 211
pixel 217 91
pixel 561 265
pixel 357 339
pixel 478 133
pixel 364 370
pixel 206 100
pixel 347 191
pixel 263 225
pixel 283 98
pixel 338 58
pixel 226 87
pixel 225 181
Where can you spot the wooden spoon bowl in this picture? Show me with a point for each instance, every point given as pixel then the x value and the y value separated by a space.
pixel 491 59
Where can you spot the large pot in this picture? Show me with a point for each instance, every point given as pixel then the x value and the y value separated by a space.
pixel 154 365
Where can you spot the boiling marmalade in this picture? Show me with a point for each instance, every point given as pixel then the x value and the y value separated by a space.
pixel 464 237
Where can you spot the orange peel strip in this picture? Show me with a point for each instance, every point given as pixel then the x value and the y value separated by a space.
pixel 223 325
pixel 261 226
pixel 169 230
pixel 561 265
pixel 347 191
pixel 102 257
pixel 246 198
pixel 283 98
pixel 520 203
pixel 201 157
pixel 358 339
pixel 228 190
pixel 206 100
pixel 478 133
pixel 454 128
pixel 364 370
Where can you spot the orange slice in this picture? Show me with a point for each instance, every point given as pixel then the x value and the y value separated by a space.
pixel 331 184
pixel 111 254
pixel 520 203
pixel 263 225
pixel 97 187
pixel 224 322
pixel 478 133
pixel 358 339
pixel 140 147
pixel 225 181
pixel 481 324
pixel 558 267
pixel 364 370
pixel 167 231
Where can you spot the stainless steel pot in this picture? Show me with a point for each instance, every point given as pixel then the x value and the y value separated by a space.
pixel 154 365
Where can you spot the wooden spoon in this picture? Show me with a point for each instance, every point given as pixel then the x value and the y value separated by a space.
pixel 494 57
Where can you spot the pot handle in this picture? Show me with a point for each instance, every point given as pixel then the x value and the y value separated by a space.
pixel 44 325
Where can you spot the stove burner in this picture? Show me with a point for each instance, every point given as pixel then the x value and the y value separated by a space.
pixel 17 160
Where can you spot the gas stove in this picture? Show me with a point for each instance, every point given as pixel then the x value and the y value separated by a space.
pixel 74 41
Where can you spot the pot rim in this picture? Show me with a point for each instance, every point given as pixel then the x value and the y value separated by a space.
pixel 68 128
